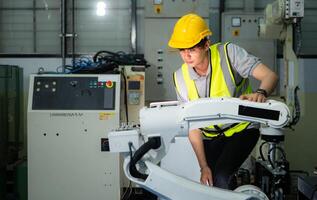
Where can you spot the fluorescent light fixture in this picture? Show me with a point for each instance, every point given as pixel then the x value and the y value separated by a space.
pixel 101 8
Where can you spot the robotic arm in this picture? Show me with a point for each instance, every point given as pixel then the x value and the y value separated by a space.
pixel 162 122
pixel 283 22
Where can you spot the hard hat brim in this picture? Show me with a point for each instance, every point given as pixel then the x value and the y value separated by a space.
pixel 173 43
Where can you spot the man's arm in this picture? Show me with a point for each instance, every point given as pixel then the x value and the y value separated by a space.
pixel 268 80
pixel 195 139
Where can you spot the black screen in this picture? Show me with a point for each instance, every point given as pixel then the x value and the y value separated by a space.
pixel 259 112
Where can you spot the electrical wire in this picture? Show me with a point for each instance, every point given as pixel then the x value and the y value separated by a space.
pixel 261 150
pixel 297 27
pixel 269 155
pixel 125 96
pixel 82 63
pixel 119 58
pixel 281 150
pixel 103 62
pixel 297 111
pixel 128 191
pixel 125 196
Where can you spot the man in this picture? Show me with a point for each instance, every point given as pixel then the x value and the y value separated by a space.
pixel 214 71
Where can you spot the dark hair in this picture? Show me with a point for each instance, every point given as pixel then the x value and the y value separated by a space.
pixel 201 43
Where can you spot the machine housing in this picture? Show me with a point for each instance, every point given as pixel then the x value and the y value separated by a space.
pixel 69 117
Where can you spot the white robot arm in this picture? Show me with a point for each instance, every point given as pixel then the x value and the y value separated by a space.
pixel 162 122
pixel 283 22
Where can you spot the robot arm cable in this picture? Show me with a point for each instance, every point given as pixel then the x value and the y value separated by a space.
pixel 282 152
pixel 152 143
pixel 261 150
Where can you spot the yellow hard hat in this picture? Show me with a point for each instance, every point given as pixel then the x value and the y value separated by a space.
pixel 189 30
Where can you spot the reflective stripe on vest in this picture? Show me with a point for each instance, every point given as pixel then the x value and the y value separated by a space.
pixel 222 84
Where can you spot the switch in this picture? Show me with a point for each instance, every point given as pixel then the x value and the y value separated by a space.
pixel 105 144
pixel 109 84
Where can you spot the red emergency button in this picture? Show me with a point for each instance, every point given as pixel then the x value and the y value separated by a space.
pixel 109 84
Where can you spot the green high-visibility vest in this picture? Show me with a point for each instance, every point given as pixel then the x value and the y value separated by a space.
pixel 223 83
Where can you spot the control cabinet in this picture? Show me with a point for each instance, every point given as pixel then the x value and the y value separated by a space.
pixel 69 117
pixel 242 28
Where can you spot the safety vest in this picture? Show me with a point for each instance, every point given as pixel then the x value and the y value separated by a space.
pixel 224 82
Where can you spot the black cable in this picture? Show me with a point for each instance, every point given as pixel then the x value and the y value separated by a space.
pixel 261 150
pixel 124 197
pixel 128 190
pixel 119 58
pixel 152 143
pixel 95 57
pixel 297 108
pixel 297 31
pixel 130 149
pixel 105 62
pixel 269 157
pixel 125 96
pixel 281 150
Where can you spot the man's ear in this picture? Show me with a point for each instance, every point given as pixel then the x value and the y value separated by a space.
pixel 207 44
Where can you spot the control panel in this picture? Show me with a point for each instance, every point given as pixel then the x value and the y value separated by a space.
pixel 133 90
pixel 241 28
pixel 73 93
pixel 163 59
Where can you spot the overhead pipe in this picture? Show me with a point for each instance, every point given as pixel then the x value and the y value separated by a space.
pixel 73 33
pixel 221 10
pixel 63 33
pixel 133 26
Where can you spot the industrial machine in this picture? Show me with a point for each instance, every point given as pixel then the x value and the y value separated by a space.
pixel 282 22
pixel 132 92
pixel 11 123
pixel 241 28
pixel 131 102
pixel 164 60
pixel 69 117
pixel 145 147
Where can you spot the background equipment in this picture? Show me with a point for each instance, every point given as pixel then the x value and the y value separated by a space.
pixel 66 147
pixel 241 28
pixel 164 60
pixel 282 21
pixel 11 126
pixel 132 92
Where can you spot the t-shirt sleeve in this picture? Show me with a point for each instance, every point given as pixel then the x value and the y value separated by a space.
pixel 241 60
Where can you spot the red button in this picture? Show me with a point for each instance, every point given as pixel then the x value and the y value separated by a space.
pixel 109 84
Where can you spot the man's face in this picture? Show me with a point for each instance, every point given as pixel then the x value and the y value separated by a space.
pixel 194 56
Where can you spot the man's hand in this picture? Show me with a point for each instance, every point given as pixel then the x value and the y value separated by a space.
pixel 195 138
pixel 206 176
pixel 257 97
